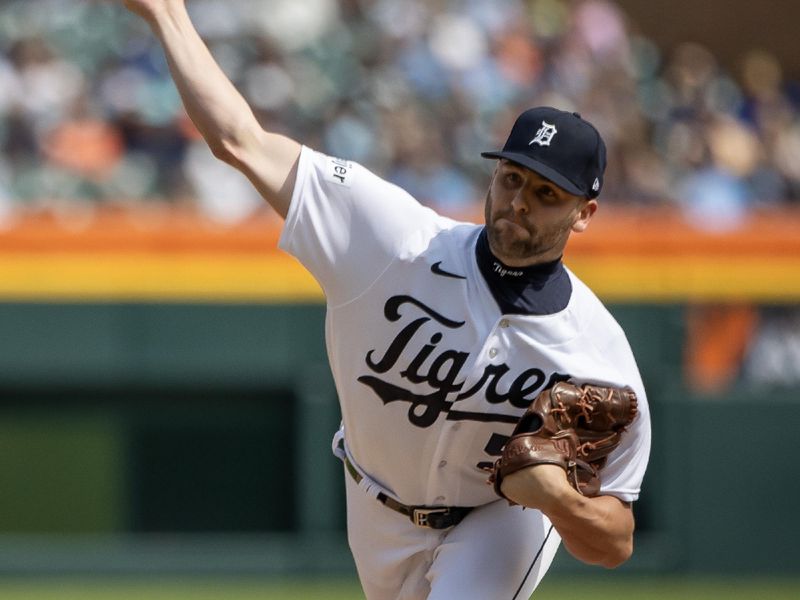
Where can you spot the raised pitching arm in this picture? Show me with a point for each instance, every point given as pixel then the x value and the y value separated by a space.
pixel 217 109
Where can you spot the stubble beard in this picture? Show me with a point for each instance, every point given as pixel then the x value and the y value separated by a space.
pixel 536 247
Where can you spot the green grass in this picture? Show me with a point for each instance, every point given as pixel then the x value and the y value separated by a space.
pixel 177 589
pixel 608 586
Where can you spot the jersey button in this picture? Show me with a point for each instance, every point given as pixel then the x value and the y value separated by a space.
pixel 442 464
pixel 439 499
pixel 492 352
pixel 504 323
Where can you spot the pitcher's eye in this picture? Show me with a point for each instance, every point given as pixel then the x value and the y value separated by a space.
pixel 547 193
pixel 512 179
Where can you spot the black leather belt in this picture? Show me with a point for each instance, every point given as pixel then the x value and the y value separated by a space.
pixel 434 517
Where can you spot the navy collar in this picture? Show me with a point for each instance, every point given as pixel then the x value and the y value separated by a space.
pixel 534 290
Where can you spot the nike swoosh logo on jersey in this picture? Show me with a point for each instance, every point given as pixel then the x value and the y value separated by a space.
pixel 436 269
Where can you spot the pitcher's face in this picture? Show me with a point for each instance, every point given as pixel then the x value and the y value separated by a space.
pixel 529 218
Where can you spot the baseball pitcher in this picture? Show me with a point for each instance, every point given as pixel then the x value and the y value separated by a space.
pixel 491 406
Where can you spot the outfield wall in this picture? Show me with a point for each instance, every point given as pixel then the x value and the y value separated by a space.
pixel 213 421
pixel 166 406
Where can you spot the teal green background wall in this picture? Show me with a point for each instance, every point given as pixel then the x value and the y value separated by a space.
pixel 128 421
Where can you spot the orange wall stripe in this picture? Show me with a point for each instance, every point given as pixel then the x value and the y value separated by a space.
pixel 170 254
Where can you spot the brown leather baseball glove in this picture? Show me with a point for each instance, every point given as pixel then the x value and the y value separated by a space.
pixel 573 427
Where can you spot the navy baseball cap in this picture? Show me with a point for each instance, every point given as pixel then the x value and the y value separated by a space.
pixel 559 146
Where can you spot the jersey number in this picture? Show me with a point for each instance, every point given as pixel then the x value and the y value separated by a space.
pixel 493 448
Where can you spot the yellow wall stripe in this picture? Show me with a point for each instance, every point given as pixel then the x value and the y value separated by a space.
pixel 276 277
pixel 692 278
pixel 272 277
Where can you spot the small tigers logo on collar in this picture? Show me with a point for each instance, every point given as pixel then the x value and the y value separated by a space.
pixel 503 272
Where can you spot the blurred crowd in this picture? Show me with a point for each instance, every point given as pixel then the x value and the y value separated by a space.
pixel 414 90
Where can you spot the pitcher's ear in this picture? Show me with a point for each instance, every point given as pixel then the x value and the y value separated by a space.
pixel 584 216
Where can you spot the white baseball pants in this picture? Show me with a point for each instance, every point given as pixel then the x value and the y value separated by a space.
pixel 497 552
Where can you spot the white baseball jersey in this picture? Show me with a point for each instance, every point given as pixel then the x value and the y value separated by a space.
pixel 430 374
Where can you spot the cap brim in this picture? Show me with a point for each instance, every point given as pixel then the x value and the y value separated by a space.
pixel 540 168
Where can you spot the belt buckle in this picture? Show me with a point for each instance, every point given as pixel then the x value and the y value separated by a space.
pixel 419 516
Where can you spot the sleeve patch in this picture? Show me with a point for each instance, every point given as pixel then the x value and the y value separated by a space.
pixel 339 171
